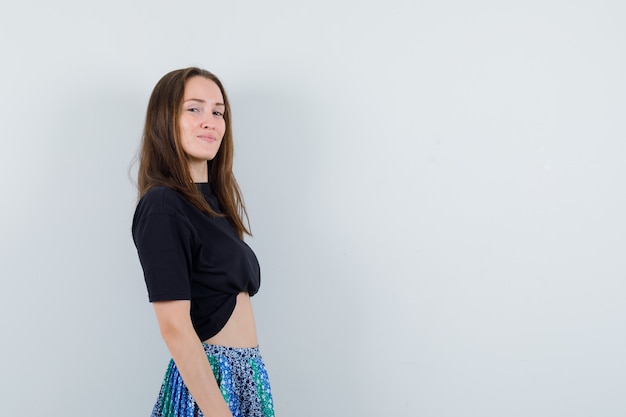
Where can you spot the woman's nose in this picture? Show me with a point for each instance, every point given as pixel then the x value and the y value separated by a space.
pixel 208 123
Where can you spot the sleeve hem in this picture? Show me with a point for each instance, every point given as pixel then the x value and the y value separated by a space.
pixel 169 297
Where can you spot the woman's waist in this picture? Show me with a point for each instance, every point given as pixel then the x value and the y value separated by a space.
pixel 240 329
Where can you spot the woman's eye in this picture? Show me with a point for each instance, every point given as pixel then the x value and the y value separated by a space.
pixel 194 109
pixel 218 113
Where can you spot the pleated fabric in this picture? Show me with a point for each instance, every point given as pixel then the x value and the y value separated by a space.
pixel 242 379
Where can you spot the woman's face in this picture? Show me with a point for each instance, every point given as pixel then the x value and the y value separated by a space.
pixel 202 123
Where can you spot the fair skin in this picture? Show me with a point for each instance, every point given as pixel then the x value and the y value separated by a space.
pixel 202 128
pixel 202 124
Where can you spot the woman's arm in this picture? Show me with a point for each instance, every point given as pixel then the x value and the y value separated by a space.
pixel 188 354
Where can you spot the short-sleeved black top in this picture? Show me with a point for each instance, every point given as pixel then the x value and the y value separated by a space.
pixel 187 254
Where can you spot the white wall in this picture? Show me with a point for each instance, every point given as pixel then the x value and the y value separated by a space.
pixel 436 191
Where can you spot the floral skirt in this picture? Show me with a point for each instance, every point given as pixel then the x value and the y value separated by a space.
pixel 241 376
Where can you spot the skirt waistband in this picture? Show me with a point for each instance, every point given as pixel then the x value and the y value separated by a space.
pixel 232 353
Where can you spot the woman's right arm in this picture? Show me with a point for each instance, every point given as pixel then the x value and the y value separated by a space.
pixel 188 354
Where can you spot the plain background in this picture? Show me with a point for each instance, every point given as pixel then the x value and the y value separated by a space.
pixel 436 191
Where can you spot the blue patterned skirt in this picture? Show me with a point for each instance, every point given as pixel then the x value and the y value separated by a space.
pixel 241 376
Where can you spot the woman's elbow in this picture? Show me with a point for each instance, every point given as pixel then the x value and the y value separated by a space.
pixel 174 321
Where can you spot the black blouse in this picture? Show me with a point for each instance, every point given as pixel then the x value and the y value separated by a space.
pixel 187 254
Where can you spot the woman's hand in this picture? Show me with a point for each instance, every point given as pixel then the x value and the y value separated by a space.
pixel 189 356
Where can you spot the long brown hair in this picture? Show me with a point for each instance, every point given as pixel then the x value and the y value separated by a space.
pixel 162 160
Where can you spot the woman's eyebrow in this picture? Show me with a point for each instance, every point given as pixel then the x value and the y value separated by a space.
pixel 199 100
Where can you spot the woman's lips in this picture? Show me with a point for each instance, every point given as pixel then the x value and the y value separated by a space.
pixel 207 138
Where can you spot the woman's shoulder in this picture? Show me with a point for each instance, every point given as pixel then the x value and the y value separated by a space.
pixel 161 213
pixel 161 199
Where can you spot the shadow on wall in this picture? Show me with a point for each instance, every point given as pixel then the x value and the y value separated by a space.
pixel 275 147
pixel 308 306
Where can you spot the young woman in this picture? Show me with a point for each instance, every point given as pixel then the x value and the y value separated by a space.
pixel 200 274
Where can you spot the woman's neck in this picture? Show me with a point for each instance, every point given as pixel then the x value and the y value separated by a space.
pixel 199 171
